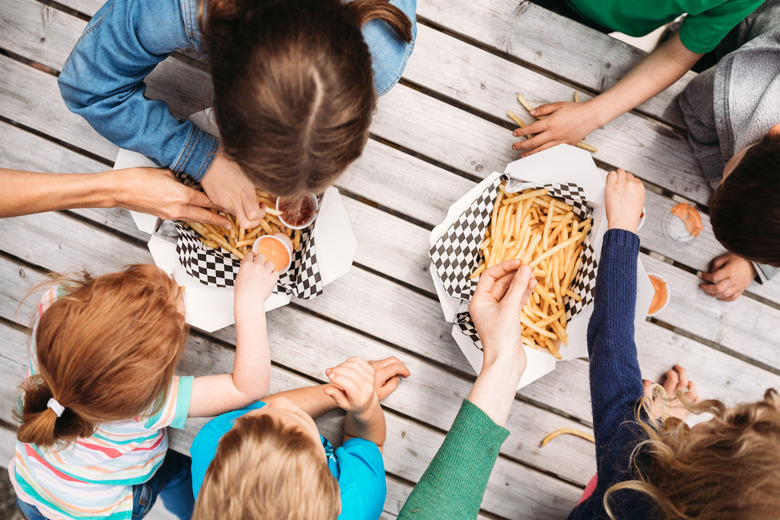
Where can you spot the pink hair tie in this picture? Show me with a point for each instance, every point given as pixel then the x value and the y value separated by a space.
pixel 55 406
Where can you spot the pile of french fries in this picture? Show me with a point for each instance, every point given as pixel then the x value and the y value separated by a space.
pixel 239 241
pixel 546 235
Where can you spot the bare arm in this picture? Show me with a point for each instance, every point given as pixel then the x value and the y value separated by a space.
pixel 312 399
pixel 570 122
pixel 251 377
pixel 148 190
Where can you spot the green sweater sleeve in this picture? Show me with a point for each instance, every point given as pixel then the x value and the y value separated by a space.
pixel 453 484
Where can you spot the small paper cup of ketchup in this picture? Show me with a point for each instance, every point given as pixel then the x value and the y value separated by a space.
pixel 660 296
pixel 276 248
pixel 298 215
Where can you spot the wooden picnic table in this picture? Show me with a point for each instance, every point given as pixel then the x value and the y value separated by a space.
pixel 435 135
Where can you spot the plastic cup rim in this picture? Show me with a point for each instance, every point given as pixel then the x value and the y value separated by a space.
pixel 309 222
pixel 286 247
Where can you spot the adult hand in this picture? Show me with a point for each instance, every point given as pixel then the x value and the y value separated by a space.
pixel 157 192
pixel 387 373
pixel 730 276
pixel 227 185
pixel 254 283
pixel 563 122
pixel 624 197
pixel 353 386
pixel 495 308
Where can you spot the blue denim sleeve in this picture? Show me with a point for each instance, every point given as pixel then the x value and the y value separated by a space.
pixel 389 53
pixel 103 81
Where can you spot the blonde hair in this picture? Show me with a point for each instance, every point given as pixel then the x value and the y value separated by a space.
pixel 729 468
pixel 107 350
pixel 264 469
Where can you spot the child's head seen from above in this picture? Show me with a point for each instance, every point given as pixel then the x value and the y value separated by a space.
pixel 107 350
pixel 270 464
pixel 293 86
pixel 745 210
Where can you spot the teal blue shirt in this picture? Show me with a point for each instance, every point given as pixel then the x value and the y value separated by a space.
pixel 357 465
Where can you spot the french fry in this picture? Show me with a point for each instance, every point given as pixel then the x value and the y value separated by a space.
pixel 576 97
pixel 570 431
pixel 526 104
pixel 545 234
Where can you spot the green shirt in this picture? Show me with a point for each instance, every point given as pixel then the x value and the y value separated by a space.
pixel 707 23
pixel 453 485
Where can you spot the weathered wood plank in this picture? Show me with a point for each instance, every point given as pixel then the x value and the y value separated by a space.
pixel 46 35
pixel 490 84
pixel 409 448
pixel 561 47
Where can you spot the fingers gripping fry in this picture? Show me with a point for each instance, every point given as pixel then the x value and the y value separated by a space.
pixel 238 241
pixel 545 234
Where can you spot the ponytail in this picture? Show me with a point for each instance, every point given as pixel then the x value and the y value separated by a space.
pixel 39 423
pixel 107 350
pixel 366 10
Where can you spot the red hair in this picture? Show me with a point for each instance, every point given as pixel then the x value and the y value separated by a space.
pixel 107 351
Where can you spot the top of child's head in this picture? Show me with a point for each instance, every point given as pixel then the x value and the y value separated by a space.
pixel 728 467
pixel 293 87
pixel 107 350
pixel 745 210
pixel 268 467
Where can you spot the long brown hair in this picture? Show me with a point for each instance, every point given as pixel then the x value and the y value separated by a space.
pixel 293 88
pixel 107 350
pixel 264 469
pixel 727 468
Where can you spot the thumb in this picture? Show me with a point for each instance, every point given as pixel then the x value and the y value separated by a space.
pixel 520 288
pixel 545 110
pixel 720 261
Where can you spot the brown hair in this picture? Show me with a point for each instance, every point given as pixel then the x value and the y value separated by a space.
pixel 107 350
pixel 726 468
pixel 293 88
pixel 264 469
pixel 745 210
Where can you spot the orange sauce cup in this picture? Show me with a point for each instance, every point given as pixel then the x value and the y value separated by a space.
pixel 661 295
pixel 276 248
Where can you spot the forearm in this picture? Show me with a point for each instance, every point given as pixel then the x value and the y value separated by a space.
pixel 252 364
pixel 310 399
pixel 651 76
pixel 494 390
pixel 369 425
pixel 34 192
pixel 453 484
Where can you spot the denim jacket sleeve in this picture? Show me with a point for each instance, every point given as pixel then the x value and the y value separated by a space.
pixel 103 81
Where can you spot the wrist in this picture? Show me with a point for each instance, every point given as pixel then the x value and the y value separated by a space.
pixel 625 225
pixel 600 110
pixel 368 411
pixel 112 189
pixel 505 366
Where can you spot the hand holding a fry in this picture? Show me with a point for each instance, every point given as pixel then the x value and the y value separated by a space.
pixel 624 196
pixel 254 283
pixel 228 187
pixel 558 123
pixel 496 308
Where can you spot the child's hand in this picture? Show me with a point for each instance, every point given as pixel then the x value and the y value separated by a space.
pixel 501 293
pixel 675 380
pixel 254 283
pixel 387 373
pixel 730 276
pixel 229 188
pixel 353 386
pixel 624 196
pixel 564 122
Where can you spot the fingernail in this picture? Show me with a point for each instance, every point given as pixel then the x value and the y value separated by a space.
pixel 533 111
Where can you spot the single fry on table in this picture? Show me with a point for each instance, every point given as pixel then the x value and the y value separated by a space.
pixel 545 234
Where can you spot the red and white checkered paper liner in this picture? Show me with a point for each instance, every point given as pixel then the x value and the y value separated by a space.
pixel 456 254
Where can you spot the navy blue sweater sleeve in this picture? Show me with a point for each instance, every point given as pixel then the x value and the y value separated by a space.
pixel 615 379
